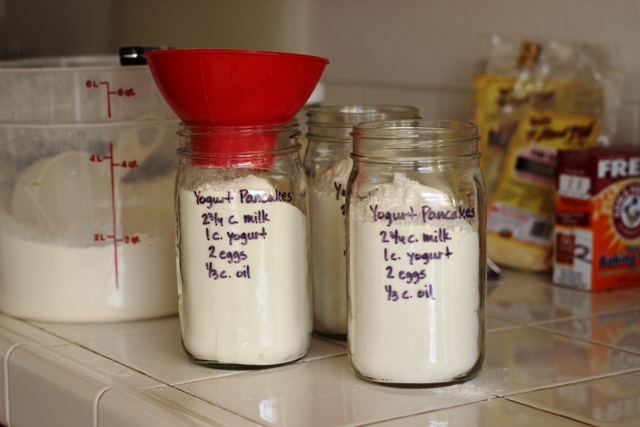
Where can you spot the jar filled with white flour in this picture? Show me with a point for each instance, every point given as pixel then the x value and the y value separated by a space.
pixel 328 165
pixel 244 294
pixel 416 252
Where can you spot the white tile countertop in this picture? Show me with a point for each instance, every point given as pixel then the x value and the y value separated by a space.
pixel 555 357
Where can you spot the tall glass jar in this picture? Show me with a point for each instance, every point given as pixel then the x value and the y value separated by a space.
pixel 242 257
pixel 328 165
pixel 416 214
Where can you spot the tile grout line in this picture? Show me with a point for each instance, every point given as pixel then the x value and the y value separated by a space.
pixel 250 371
pixel 586 340
pixel 213 404
pixel 520 323
pixel 569 382
pixel 174 405
pixel 542 326
pixel 635 306
pixel 176 386
pixel 549 412
pixel 74 342
pixel 428 412
pixel 236 372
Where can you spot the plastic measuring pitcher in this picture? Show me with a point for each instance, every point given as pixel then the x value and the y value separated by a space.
pixel 87 166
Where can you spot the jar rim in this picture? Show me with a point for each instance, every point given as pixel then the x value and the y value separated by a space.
pixel 432 132
pixel 406 127
pixel 351 114
pixel 399 159
pixel 419 138
pixel 334 123
pixel 186 152
pixel 203 130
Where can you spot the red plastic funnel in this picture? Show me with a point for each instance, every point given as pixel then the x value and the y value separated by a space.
pixel 220 87
pixel 234 88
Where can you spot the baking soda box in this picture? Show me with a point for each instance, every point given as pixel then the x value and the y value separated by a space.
pixel 597 219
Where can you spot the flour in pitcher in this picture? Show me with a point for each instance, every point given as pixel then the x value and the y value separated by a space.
pixel 53 282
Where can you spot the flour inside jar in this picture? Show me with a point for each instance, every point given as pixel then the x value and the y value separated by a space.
pixel 414 285
pixel 244 297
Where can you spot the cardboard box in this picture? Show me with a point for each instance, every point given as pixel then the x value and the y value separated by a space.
pixel 597 219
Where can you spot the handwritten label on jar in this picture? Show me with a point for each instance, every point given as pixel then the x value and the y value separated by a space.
pixel 231 233
pixel 243 272
pixel 407 254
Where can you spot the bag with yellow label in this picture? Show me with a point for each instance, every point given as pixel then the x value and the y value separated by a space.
pixel 530 100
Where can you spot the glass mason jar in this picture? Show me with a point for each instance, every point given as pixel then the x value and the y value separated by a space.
pixel 327 166
pixel 416 247
pixel 242 252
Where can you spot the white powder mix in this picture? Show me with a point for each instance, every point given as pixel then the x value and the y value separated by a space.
pixel 64 269
pixel 413 287
pixel 328 245
pixel 56 283
pixel 68 255
pixel 243 274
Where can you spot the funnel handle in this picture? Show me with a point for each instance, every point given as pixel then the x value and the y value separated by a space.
pixel 132 55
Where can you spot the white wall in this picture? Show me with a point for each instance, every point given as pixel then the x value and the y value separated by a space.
pixel 231 24
pixel 417 52
pixel 422 52
pixel 55 27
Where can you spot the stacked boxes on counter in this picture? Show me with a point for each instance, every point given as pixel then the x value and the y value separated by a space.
pixel 597 219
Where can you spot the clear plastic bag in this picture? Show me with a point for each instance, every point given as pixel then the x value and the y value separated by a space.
pixel 530 99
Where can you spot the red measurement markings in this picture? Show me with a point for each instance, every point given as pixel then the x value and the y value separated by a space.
pixel 129 92
pixel 127 164
pixel 100 237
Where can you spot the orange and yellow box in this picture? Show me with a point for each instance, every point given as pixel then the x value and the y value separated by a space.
pixel 597 218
